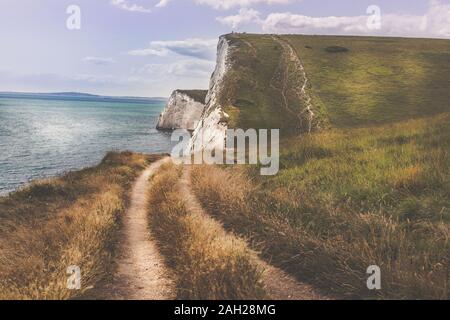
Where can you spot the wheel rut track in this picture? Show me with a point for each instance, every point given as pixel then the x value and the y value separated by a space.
pixel 278 284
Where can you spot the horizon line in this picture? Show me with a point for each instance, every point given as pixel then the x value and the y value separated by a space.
pixel 79 93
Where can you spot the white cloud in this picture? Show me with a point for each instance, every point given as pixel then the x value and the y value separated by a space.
pixel 101 79
pixel 39 81
pixel 192 68
pixel 197 48
pixel 228 4
pixel 293 23
pixel 99 61
pixel 125 5
pixel 438 18
pixel 162 3
pixel 149 52
pixel 245 16
pixel 182 68
pixel 435 23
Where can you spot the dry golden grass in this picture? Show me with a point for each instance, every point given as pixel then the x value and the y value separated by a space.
pixel 53 224
pixel 208 262
pixel 345 200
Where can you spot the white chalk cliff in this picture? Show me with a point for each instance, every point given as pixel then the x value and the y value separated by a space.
pixel 183 110
pixel 210 132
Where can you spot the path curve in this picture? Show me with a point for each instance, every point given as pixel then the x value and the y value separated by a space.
pixel 141 273
pixel 278 284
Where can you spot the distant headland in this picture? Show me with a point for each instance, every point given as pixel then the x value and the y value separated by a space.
pixel 78 96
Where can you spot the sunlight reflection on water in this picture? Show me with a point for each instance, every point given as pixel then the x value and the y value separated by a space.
pixel 44 138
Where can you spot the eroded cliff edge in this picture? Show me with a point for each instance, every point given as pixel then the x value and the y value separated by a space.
pixel 210 132
pixel 183 110
pixel 259 82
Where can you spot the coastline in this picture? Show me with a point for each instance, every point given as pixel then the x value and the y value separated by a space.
pixel 41 139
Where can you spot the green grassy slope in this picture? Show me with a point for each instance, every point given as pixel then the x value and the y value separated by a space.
pixel 375 80
pixel 248 96
pixel 253 88
pixel 373 188
pixel 346 199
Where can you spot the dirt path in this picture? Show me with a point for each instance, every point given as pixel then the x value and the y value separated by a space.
pixel 278 284
pixel 141 273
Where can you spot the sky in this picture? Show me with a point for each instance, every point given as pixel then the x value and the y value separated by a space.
pixel 151 47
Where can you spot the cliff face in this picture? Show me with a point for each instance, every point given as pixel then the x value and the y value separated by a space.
pixel 210 132
pixel 259 82
pixel 183 110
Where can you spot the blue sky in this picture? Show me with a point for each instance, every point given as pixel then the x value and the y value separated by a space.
pixel 150 47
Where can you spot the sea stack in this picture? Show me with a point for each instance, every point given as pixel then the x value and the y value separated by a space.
pixel 184 109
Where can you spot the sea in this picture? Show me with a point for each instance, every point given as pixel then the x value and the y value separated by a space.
pixel 47 135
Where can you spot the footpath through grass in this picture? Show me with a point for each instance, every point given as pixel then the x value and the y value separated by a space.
pixel 69 221
pixel 209 264
pixel 346 199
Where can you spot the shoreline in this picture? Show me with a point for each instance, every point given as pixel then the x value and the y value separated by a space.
pixel 24 186
pixel 43 139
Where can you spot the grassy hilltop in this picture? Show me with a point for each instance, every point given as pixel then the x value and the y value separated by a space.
pixel 370 185
pixel 353 81
pixel 377 80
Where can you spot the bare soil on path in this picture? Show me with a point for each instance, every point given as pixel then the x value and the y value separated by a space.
pixel 141 273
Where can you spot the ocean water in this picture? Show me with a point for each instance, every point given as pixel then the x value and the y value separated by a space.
pixel 45 136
